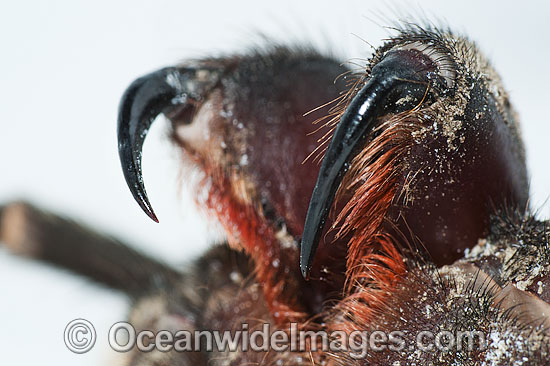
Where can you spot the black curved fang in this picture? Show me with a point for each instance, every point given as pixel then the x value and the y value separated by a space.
pixel 374 99
pixel 142 102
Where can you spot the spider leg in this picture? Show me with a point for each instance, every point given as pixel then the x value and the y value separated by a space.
pixel 30 232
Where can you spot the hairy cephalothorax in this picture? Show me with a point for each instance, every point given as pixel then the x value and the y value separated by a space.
pixel 415 222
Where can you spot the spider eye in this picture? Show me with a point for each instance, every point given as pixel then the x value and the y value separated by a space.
pixel 439 62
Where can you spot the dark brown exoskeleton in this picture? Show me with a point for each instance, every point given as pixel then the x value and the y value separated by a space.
pixel 415 221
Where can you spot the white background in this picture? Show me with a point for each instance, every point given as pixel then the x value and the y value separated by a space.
pixel 63 67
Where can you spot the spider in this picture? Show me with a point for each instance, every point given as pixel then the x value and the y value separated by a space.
pixel 387 198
